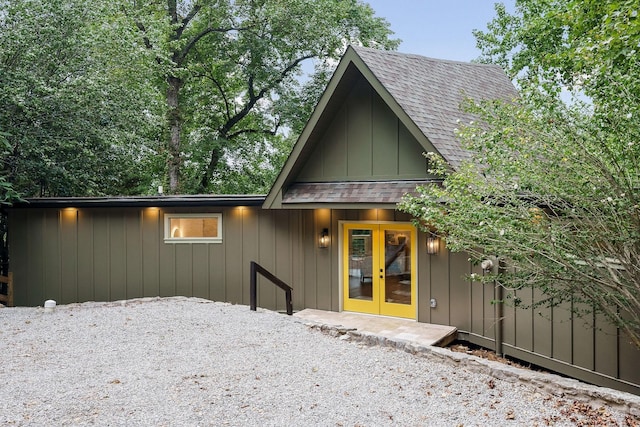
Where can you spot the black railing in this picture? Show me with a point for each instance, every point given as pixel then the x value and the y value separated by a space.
pixel 253 291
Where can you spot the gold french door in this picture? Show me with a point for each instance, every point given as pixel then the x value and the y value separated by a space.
pixel 380 269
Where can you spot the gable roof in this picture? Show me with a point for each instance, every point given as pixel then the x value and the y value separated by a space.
pixel 424 93
pixel 431 91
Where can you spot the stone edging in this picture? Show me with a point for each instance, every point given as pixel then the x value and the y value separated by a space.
pixel 553 384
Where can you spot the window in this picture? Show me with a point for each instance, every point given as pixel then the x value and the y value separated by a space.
pixel 193 228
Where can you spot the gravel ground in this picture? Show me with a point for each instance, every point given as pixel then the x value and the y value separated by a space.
pixel 193 362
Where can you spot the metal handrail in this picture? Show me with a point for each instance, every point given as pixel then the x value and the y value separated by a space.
pixel 253 290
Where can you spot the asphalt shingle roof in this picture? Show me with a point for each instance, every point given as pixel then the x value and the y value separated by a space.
pixel 431 91
pixel 382 192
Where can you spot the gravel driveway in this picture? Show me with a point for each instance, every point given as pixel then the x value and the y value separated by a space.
pixel 193 362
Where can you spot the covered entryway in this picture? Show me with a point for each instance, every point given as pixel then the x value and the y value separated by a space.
pixel 379 270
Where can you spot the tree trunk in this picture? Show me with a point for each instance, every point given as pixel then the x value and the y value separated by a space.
pixel 175 129
pixel 216 154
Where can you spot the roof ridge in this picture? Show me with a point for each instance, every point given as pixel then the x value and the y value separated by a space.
pixel 422 57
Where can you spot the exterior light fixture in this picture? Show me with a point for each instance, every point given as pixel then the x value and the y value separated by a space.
pixel 323 242
pixel 433 244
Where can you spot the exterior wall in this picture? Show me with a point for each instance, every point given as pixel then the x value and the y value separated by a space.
pixel 584 348
pixel 364 141
pixel 105 254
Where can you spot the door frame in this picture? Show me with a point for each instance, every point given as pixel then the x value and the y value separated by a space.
pixel 341 263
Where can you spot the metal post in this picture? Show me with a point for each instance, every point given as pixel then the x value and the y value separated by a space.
pixel 253 288
pixel 289 302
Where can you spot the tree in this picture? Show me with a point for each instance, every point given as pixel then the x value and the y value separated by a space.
pixel 553 188
pixel 587 47
pixel 76 113
pixel 234 76
pixel 8 193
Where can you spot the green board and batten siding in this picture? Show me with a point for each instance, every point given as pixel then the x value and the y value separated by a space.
pixel 586 348
pixel 364 141
pixel 84 254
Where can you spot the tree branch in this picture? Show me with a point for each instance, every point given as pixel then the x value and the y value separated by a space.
pixel 187 19
pixel 253 99
pixel 252 131
pixel 145 39
pixel 220 90
pixel 143 31
pixel 185 50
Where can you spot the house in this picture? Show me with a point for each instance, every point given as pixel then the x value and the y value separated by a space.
pixel 328 227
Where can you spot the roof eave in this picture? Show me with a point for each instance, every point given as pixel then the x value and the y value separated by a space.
pixel 341 206
pixel 140 202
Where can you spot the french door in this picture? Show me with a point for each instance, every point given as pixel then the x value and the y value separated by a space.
pixel 380 269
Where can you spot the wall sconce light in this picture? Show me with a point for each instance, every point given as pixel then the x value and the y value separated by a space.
pixel 433 244
pixel 323 242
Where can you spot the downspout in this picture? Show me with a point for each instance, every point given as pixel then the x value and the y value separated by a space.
pixel 4 245
pixel 499 308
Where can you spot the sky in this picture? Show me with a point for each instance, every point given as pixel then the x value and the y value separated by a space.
pixel 438 28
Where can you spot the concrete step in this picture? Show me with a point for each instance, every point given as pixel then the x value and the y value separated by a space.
pixel 394 328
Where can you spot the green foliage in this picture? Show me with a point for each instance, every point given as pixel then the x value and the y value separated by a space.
pixel 585 46
pixel 117 97
pixel 246 74
pixel 8 194
pixel 554 189
pixel 75 105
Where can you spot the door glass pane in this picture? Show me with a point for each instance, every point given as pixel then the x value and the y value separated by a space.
pixel 360 264
pixel 397 266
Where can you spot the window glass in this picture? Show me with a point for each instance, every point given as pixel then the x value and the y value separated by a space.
pixel 193 228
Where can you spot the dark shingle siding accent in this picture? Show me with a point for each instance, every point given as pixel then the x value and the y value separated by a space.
pixel 350 192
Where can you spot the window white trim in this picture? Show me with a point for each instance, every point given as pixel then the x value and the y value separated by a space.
pixel 169 235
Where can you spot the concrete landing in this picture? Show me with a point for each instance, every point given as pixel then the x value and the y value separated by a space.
pixel 425 334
